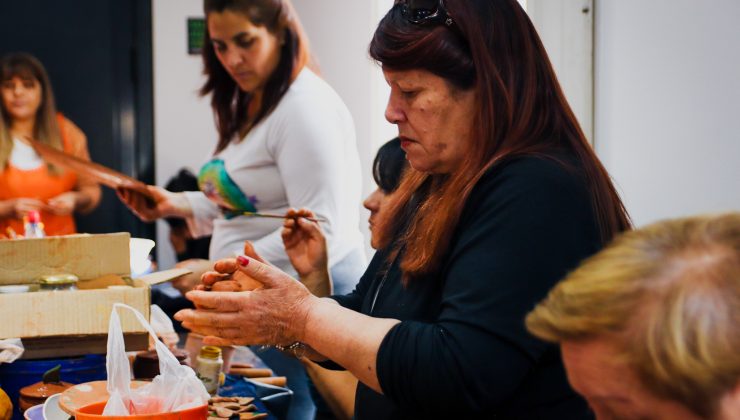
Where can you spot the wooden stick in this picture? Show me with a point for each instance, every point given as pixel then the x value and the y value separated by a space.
pixel 237 365
pixel 273 380
pixel 251 372
pixel 278 216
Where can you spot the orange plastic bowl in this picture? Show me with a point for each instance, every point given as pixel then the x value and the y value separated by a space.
pixel 95 411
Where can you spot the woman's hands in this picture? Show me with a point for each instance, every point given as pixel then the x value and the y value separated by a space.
pixel 165 204
pixel 16 208
pixel 304 243
pixel 273 312
pixel 190 281
pixel 226 277
pixel 64 204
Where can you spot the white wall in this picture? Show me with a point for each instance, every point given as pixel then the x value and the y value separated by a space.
pixel 184 132
pixel 668 104
pixel 566 28
pixel 339 32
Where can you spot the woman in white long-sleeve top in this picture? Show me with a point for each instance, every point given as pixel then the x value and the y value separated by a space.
pixel 286 140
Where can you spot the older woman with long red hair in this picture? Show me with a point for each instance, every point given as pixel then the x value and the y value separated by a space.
pixel 504 197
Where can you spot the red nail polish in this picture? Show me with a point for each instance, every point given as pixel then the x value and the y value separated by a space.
pixel 242 260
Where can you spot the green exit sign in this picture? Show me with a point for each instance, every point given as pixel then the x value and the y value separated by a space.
pixel 196 35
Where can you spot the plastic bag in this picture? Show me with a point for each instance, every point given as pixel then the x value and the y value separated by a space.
pixel 176 388
pixel 10 350
pixel 162 325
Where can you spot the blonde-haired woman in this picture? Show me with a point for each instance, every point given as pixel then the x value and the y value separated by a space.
pixel 649 327
pixel 27 183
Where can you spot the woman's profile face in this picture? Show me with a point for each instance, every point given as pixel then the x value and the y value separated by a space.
pixel 249 53
pixel 374 202
pixel 21 97
pixel 434 120
pixel 597 370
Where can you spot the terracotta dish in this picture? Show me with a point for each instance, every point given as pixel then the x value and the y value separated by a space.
pixel 38 393
pixel 92 170
pixel 86 394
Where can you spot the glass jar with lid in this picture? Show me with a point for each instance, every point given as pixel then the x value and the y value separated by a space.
pixel 58 282
pixel 208 368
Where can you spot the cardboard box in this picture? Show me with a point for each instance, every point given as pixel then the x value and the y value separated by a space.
pixel 99 261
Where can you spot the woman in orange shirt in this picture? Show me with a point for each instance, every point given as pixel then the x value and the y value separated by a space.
pixel 27 183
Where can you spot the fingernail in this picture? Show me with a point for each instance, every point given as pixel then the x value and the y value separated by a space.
pixel 242 260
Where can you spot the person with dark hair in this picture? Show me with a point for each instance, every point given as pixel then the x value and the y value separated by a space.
pixel 312 266
pixel 286 140
pixel 503 197
pixel 186 247
pixel 388 167
pixel 27 183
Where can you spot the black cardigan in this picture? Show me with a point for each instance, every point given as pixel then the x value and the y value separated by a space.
pixel 462 350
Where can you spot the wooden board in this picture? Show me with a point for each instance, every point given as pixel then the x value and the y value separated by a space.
pixel 78 345
pixel 23 261
pixel 99 173
pixel 101 260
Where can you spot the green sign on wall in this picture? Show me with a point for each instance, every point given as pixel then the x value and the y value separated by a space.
pixel 196 35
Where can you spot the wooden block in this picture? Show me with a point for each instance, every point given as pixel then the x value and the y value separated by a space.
pixel 68 346
pixel 273 380
pixel 251 372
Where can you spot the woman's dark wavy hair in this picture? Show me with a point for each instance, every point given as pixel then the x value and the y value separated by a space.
pixel 494 49
pixel 389 165
pixel 230 103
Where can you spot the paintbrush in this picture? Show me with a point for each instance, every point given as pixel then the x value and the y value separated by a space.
pixel 282 216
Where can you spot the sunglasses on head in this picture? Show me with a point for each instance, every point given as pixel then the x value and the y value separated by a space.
pixel 425 12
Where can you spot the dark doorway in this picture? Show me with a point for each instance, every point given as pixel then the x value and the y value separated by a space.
pixel 99 57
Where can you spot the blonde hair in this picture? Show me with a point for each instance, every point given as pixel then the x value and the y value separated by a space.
pixel 670 295
pixel 46 128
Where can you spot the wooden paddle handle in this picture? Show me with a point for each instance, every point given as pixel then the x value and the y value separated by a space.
pixel 251 372
pixel 273 380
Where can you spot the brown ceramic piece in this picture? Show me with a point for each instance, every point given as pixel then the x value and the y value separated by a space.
pixel 38 393
pixel 146 364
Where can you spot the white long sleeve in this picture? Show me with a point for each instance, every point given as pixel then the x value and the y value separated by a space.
pixel 205 212
pixel 303 154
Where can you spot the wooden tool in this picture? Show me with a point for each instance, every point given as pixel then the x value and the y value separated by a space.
pixel 251 372
pixel 279 216
pixel 99 173
pixel 273 380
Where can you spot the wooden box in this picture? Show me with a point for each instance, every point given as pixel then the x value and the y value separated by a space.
pixel 80 316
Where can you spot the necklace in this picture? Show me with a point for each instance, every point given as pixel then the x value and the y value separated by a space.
pixel 382 282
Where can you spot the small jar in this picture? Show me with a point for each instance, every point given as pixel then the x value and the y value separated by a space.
pixel 58 282
pixel 208 368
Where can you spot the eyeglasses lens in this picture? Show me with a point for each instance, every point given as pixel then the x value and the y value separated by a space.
pixel 418 10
